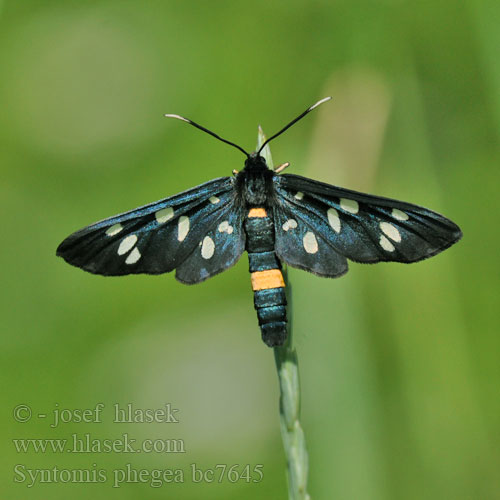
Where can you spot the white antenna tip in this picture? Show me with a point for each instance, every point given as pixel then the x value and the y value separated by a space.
pixel 319 102
pixel 178 117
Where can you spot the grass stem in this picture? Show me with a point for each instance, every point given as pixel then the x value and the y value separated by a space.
pixel 287 367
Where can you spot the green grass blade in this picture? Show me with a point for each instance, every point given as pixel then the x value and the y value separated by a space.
pixel 287 366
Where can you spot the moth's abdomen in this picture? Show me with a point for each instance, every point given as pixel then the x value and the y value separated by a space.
pixel 267 280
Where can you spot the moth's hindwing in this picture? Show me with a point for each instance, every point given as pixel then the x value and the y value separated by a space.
pixel 315 222
pixel 219 249
pixel 299 243
pixel 158 237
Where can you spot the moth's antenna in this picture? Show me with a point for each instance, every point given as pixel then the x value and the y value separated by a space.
pixel 293 121
pixel 194 124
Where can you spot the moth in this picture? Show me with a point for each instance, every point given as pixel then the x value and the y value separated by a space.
pixel 276 218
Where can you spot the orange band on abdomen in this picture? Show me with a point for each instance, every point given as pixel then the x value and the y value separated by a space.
pixel 257 212
pixel 263 280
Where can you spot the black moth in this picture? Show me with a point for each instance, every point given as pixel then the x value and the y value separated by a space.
pixel 276 218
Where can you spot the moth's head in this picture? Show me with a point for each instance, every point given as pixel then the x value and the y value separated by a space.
pixel 255 162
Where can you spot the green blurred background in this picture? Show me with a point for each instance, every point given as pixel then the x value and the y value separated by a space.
pixel 399 364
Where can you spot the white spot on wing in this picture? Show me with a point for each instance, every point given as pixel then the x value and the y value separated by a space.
pixel 299 195
pixel 348 205
pixel 391 231
pixel 334 219
pixel 224 227
pixel 398 214
pixel 386 244
pixel 207 248
pixel 310 242
pixel 115 229
pixel 164 215
pixel 183 227
pixel 133 256
pixel 214 200
pixel 289 224
pixel 127 243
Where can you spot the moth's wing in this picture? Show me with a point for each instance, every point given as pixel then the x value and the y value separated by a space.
pixel 155 238
pixel 219 249
pixel 299 244
pixel 360 227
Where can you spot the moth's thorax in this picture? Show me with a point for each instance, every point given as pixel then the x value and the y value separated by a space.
pixel 255 181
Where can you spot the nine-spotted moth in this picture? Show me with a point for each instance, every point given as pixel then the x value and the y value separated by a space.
pixel 276 218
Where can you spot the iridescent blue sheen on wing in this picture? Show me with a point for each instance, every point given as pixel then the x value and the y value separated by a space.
pixel 158 237
pixel 293 226
pixel 357 226
pixel 219 249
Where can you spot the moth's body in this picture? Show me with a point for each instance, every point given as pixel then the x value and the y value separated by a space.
pixel 255 188
pixel 274 218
